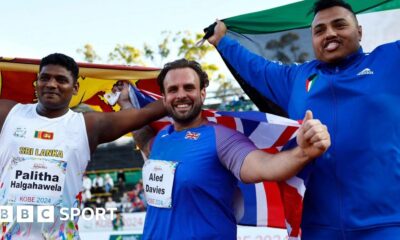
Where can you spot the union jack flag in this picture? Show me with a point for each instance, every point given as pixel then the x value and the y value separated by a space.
pixel 268 204
pixel 192 135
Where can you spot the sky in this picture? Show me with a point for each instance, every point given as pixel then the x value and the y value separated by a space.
pixel 33 29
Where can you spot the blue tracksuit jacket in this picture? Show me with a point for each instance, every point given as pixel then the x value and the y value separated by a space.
pixel 354 188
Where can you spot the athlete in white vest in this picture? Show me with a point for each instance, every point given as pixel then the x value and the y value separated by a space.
pixel 45 148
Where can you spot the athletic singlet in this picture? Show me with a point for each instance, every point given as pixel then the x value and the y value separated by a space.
pixel 41 163
pixel 209 159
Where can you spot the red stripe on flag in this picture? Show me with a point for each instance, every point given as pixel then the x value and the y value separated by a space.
pixel 151 86
pixel 276 216
pixel 307 84
pixel 18 86
pixel 95 100
pixel 271 150
pixel 158 125
pixel 293 207
pixel 207 113
pixel 285 136
pixel 227 122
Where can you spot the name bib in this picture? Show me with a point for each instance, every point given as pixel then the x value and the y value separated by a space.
pixel 158 180
pixel 35 181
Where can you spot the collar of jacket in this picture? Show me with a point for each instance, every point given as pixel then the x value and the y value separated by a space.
pixel 349 61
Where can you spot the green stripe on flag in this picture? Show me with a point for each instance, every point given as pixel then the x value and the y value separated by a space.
pixel 390 5
pixel 283 34
pixel 295 16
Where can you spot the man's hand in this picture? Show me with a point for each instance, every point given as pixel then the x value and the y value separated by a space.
pixel 313 137
pixel 219 32
pixel 123 100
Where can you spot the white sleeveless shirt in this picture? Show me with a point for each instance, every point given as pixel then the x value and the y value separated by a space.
pixel 42 161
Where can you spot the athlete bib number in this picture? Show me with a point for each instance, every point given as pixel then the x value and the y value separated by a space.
pixel 36 181
pixel 158 180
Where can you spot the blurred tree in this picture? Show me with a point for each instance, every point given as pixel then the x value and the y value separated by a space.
pixel 183 42
pixel 89 53
pixel 182 45
pixel 125 54
pixel 287 44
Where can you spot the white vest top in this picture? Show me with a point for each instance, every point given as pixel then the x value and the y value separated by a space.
pixel 42 161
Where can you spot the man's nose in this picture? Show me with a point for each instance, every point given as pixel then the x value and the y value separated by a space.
pixel 181 93
pixel 330 32
pixel 52 82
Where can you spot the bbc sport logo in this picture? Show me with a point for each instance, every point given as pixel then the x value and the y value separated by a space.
pixel 45 214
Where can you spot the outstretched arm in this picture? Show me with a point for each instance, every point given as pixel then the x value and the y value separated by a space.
pixel 106 127
pixel 219 31
pixel 313 140
pixel 271 79
pixel 143 136
pixel 5 107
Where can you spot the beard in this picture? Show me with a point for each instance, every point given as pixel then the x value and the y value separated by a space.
pixel 187 117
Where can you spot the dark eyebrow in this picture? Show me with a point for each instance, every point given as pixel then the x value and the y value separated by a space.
pixel 318 26
pixel 337 20
pixel 171 87
pixel 189 85
pixel 56 76
pixel 44 74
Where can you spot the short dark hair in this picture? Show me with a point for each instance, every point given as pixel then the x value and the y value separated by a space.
pixel 61 60
pixel 183 63
pixel 324 4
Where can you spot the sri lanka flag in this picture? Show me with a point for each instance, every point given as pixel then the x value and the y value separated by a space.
pixel 44 135
pixel 18 79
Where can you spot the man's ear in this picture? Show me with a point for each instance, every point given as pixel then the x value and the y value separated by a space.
pixel 203 94
pixel 76 88
pixel 359 33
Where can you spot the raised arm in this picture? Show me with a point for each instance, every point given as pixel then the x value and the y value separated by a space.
pixel 313 140
pixel 219 32
pixel 105 127
pixel 272 79
pixel 143 136
pixel 5 107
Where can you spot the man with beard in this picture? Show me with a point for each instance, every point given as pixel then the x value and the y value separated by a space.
pixel 355 95
pixel 194 165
